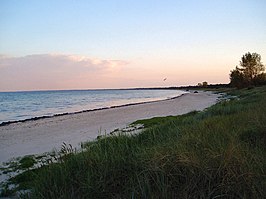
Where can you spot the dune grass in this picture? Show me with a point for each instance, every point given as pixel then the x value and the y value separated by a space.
pixel 216 153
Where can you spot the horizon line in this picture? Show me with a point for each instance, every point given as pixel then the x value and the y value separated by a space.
pixel 94 89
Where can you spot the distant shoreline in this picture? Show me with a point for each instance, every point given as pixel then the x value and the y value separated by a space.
pixel 148 88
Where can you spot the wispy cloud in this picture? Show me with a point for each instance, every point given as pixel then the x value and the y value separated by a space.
pixel 58 71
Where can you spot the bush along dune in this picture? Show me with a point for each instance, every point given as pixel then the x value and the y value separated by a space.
pixel 216 153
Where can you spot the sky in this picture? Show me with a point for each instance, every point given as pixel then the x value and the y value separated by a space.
pixel 78 44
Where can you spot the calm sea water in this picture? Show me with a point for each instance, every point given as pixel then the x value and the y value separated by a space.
pixel 25 105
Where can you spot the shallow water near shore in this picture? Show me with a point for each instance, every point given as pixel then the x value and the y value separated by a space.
pixel 15 106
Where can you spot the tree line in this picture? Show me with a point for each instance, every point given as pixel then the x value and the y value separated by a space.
pixel 250 72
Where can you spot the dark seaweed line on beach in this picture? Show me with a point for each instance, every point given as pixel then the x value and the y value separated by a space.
pixel 83 111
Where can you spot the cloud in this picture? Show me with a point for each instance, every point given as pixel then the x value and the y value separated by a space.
pixel 59 60
pixel 53 71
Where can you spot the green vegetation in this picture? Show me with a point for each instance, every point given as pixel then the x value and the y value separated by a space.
pixel 27 161
pixel 24 171
pixel 18 164
pixel 249 73
pixel 216 153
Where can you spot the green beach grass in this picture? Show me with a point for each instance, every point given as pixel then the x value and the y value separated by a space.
pixel 216 153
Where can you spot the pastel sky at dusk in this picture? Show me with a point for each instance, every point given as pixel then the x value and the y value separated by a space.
pixel 78 44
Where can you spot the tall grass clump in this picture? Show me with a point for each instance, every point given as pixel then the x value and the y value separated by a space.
pixel 216 153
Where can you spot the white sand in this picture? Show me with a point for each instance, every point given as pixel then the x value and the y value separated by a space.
pixel 44 135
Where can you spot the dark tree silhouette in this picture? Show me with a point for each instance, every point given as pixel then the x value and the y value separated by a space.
pixel 249 73
pixel 237 78
pixel 204 84
pixel 251 65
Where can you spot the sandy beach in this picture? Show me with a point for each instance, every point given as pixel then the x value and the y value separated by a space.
pixel 44 135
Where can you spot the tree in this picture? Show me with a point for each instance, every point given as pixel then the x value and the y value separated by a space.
pixel 204 84
pixel 260 79
pixel 237 78
pixel 199 84
pixel 251 65
pixel 249 73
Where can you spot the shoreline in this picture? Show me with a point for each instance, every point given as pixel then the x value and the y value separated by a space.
pixel 47 134
pixel 83 111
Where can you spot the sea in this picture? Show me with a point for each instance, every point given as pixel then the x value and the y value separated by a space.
pixel 18 106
